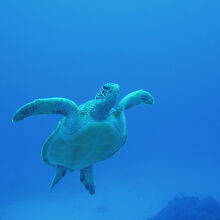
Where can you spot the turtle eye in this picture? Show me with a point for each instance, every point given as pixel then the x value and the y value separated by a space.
pixel 106 88
pixel 103 92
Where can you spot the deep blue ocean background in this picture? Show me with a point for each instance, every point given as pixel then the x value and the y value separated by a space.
pixel 70 49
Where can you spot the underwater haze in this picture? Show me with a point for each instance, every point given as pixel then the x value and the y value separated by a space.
pixel 70 49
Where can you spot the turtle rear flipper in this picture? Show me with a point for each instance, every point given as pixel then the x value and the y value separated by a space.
pixel 61 106
pixel 86 177
pixel 60 173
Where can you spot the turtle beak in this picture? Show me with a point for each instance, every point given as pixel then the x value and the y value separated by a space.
pixel 116 88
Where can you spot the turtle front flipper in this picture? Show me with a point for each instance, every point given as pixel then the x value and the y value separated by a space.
pixel 135 98
pixel 46 106
pixel 86 177
pixel 60 173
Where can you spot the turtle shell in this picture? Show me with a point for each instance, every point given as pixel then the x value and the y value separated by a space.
pixel 94 142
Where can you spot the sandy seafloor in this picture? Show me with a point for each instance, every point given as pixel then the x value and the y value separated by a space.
pixel 137 199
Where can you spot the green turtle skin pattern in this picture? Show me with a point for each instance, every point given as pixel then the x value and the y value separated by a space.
pixel 87 134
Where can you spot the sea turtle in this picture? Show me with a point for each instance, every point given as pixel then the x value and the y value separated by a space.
pixel 87 133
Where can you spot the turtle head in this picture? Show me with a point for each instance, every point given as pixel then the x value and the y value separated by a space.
pixel 108 93
pixel 106 99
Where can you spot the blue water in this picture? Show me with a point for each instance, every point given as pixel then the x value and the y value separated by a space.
pixel 70 49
